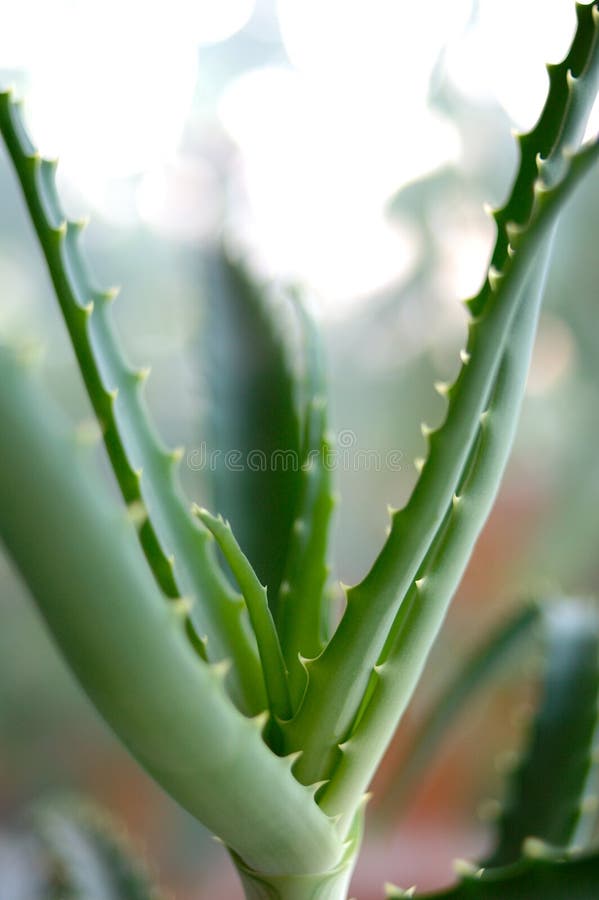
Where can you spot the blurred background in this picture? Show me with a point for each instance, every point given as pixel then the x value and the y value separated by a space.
pixel 349 147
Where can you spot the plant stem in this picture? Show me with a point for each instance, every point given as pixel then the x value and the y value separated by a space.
pixel 330 885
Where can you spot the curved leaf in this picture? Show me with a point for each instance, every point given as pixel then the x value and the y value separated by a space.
pixel 554 876
pixel 81 559
pixel 175 544
pixel 335 696
pixel 89 859
pixel 497 651
pixel 255 423
pixel 546 792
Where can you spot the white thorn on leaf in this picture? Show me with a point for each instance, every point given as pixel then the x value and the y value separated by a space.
pixel 80 224
pixel 182 606
pixel 535 848
pixel 137 512
pixel 143 373
pixel 112 293
pixel 292 758
pixel 495 277
pixel 221 669
pixel 466 869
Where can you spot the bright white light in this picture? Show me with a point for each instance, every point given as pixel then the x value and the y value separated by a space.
pixel 325 145
pixel 366 44
pixel 111 84
pixel 322 146
pixel 211 21
pixel 319 168
pixel 504 56
pixel 181 200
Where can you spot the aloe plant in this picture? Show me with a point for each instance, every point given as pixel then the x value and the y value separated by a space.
pixel 72 849
pixel 215 657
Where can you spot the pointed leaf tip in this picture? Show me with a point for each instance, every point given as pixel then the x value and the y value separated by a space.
pixel 181 606
pixel 465 869
pixel 177 454
pixel 534 848
pixel 221 669
pixel 143 373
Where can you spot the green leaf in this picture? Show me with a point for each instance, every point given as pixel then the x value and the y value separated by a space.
pixel 255 422
pixel 175 544
pixel 401 663
pixel 304 613
pixel 553 876
pixel 269 648
pixel 88 857
pixel 561 125
pixel 336 679
pixel 341 678
pixel 548 802
pixel 270 409
pixel 499 649
pixel 546 792
pixel 82 561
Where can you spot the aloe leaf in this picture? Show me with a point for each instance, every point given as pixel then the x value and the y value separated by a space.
pixel 549 805
pixel 80 557
pixel 561 124
pixel 400 665
pixel 304 614
pixel 255 595
pixel 499 649
pixel 254 416
pixel 401 662
pixel 175 544
pixel 331 885
pixel 417 622
pixel 545 874
pixel 89 858
pixel 560 748
pixel 270 410
pixel 335 693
